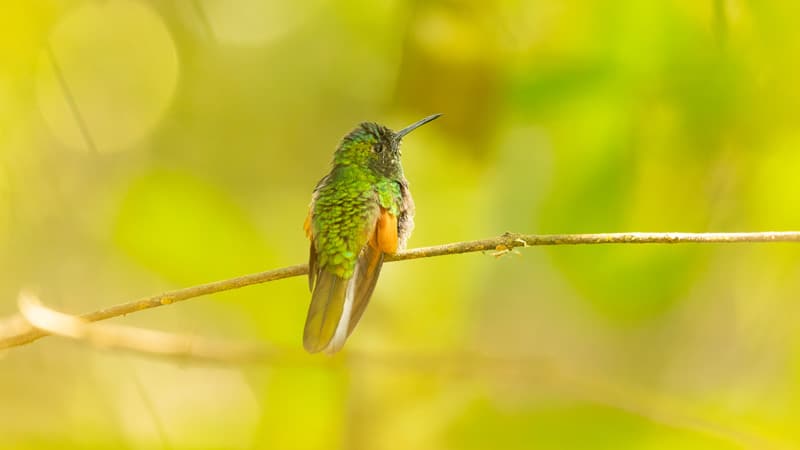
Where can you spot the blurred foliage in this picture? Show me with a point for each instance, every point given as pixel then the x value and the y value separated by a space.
pixel 150 145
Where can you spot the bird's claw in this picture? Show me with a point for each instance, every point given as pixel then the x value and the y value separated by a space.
pixel 503 249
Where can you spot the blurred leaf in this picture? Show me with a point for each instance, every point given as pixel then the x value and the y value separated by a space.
pixel 540 89
pixel 559 117
pixel 304 409
pixel 596 184
pixel 107 76
pixel 566 426
pixel 170 221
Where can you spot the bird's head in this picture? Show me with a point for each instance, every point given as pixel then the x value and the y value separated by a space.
pixel 375 146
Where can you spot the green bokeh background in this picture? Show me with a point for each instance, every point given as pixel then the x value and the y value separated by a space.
pixel 149 145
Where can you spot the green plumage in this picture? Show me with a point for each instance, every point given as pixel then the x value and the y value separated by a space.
pixel 342 219
pixel 347 202
pixel 365 184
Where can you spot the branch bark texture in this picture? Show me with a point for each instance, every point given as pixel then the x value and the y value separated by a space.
pixel 16 331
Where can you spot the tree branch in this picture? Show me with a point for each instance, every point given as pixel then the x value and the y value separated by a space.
pixel 122 337
pixel 16 331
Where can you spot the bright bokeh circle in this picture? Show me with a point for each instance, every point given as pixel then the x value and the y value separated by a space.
pixel 113 67
pixel 253 22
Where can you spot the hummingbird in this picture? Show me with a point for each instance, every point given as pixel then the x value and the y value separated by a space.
pixel 360 211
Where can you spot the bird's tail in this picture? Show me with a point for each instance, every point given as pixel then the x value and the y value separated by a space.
pixel 337 303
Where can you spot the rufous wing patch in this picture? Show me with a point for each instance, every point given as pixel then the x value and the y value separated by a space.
pixel 386 232
pixel 307 224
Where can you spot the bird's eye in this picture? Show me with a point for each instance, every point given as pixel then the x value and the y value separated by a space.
pixel 377 148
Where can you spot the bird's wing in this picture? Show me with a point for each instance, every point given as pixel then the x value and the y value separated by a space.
pixel 383 240
pixel 328 304
pixel 338 303
pixel 312 253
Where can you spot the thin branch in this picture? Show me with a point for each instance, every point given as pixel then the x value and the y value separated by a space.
pixel 201 13
pixel 35 321
pixel 122 337
pixel 570 380
pixel 70 98
pixel 511 240
pixel 19 332
pixel 543 371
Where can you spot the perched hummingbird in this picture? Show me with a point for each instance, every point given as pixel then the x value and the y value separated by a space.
pixel 359 211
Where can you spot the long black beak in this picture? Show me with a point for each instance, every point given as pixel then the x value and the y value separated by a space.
pixel 399 135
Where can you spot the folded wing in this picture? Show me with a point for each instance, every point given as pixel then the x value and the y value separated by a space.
pixel 337 303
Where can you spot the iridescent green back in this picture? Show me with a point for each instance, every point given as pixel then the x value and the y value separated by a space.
pixel 347 202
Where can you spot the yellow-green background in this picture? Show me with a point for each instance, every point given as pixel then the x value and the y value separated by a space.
pixel 207 123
